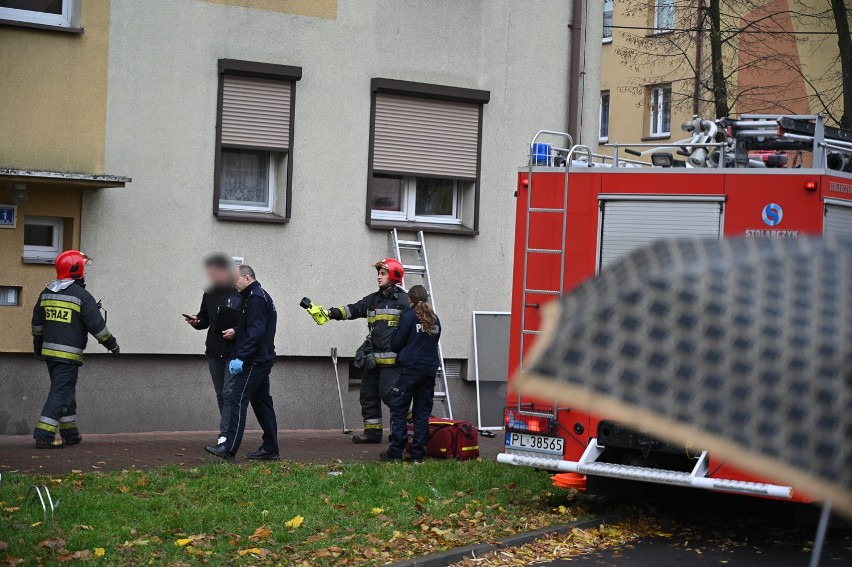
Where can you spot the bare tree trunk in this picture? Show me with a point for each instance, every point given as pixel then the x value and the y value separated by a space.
pixel 844 41
pixel 717 63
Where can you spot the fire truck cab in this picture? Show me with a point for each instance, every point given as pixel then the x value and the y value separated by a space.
pixel 578 212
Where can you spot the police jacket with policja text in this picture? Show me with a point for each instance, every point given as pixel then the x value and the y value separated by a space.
pixel 382 308
pixel 255 341
pixel 63 317
pixel 417 350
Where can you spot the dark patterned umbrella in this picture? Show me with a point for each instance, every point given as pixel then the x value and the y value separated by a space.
pixel 740 347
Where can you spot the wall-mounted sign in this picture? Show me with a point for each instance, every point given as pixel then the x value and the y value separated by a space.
pixel 8 216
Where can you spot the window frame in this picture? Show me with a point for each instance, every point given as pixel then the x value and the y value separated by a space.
pixel 438 92
pixel 606 39
pixel 602 138
pixel 36 18
pixel 272 160
pixel 254 214
pixel 409 205
pixel 34 254
pixel 658 7
pixel 656 103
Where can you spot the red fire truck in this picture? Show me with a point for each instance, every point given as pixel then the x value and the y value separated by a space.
pixel 578 212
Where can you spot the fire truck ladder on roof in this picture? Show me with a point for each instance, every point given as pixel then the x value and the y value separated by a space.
pixel 420 267
pixel 535 158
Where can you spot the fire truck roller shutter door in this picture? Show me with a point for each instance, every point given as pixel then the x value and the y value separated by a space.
pixel 631 224
pixel 838 220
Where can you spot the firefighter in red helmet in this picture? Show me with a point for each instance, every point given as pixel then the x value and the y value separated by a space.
pixel 63 317
pixel 382 310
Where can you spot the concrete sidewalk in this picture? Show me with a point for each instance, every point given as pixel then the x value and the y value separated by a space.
pixel 184 448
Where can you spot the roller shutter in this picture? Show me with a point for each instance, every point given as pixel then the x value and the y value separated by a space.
pixel 421 136
pixel 838 221
pixel 256 112
pixel 628 225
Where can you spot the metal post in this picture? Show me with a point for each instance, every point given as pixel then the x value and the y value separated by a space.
pixel 822 528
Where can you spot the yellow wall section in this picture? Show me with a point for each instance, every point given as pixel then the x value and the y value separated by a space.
pixel 43 202
pixel 314 8
pixel 53 113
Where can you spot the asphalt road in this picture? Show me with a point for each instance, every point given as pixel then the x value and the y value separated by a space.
pixel 710 529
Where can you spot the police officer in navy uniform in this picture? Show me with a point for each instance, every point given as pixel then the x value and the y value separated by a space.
pixel 254 356
pixel 382 309
pixel 63 317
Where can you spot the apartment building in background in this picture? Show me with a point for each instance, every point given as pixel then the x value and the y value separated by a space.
pixel 293 135
pixel 778 69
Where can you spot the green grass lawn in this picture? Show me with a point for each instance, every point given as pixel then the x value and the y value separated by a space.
pixel 355 514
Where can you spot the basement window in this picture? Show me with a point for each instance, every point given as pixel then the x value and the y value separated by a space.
pixel 10 296
pixel 43 238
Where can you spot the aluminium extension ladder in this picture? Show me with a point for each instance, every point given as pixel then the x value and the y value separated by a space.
pixel 420 267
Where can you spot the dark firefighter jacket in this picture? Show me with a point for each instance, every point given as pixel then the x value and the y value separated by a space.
pixel 255 340
pixel 63 317
pixel 382 308
pixel 417 350
pixel 216 344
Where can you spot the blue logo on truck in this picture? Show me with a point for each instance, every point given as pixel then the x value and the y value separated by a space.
pixel 772 214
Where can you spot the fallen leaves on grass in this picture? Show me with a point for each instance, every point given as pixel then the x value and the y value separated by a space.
pixel 376 511
pixel 261 534
pixel 100 552
pixel 294 523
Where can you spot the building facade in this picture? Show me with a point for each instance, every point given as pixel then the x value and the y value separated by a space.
pixel 294 136
pixel 779 56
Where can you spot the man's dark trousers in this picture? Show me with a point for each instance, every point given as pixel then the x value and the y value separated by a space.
pixel 60 409
pixel 377 387
pixel 421 389
pixel 223 383
pixel 252 386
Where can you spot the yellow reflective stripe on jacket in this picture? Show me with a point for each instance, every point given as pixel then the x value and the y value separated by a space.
pixel 38 330
pixel 103 336
pixel 344 312
pixel 61 354
pixel 383 318
pixel 59 303
pixel 386 361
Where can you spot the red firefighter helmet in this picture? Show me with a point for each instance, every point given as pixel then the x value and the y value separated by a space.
pixel 71 265
pixel 394 268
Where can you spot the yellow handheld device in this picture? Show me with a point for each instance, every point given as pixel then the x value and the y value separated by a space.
pixel 318 312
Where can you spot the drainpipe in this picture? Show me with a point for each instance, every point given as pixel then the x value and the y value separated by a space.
pixel 699 40
pixel 576 28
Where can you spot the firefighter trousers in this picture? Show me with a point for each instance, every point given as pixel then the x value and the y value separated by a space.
pixel 251 386
pixel 420 390
pixel 376 387
pixel 60 410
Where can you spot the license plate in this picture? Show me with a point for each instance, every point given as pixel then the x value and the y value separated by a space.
pixel 535 443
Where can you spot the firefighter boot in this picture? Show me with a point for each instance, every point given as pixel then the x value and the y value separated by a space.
pixel 366 438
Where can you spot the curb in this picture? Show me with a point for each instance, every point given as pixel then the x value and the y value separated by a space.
pixel 445 558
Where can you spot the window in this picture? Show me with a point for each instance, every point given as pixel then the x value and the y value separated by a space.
pixel 42 239
pixel 604 132
pixel 10 296
pixel 425 156
pixel 664 16
pixel 42 12
pixel 607 20
pixel 416 199
pixel 255 136
pixel 660 105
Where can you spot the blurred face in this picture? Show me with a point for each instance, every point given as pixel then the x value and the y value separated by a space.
pixel 243 281
pixel 219 277
pixel 383 277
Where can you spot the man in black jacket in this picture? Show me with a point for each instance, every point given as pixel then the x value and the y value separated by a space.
pixel 382 309
pixel 222 272
pixel 253 358
pixel 63 317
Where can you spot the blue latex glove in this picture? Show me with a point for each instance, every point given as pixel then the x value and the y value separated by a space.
pixel 235 367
